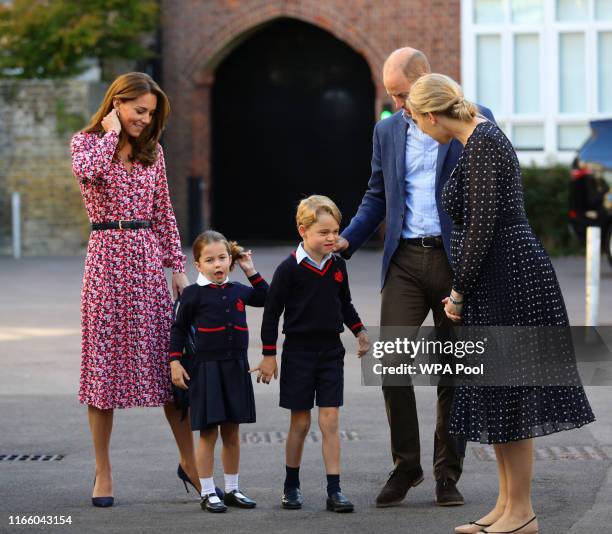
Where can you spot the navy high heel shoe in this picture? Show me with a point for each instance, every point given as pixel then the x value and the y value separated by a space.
pixel 180 472
pixel 102 502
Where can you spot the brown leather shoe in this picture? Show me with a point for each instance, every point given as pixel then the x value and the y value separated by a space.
pixel 447 493
pixel 397 486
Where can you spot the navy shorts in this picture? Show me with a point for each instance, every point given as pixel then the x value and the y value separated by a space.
pixel 306 374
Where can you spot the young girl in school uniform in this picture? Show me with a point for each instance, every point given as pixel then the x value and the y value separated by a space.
pixel 219 384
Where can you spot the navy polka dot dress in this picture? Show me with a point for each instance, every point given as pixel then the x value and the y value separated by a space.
pixel 507 279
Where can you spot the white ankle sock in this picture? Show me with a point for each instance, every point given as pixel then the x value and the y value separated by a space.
pixel 231 482
pixel 208 488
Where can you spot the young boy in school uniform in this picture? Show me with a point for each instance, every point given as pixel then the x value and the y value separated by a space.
pixel 311 287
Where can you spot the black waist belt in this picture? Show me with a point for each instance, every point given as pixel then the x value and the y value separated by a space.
pixel 121 225
pixel 425 242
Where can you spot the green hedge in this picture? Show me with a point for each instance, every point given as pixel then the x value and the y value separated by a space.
pixel 546 202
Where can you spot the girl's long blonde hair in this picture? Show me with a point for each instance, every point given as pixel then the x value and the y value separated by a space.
pixel 128 87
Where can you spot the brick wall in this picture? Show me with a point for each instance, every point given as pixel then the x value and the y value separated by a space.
pixel 37 119
pixel 198 35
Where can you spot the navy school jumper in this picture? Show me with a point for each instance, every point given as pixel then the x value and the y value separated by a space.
pixel 316 302
pixel 218 314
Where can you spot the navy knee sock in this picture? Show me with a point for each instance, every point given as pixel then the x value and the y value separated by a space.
pixel 333 484
pixel 292 478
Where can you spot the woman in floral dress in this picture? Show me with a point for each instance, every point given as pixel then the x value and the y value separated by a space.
pixel 126 307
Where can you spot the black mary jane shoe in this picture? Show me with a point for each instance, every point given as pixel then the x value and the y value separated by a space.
pixel 180 472
pixel 337 502
pixel 292 499
pixel 214 507
pixel 238 499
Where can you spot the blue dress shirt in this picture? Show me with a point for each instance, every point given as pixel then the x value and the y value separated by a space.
pixel 420 184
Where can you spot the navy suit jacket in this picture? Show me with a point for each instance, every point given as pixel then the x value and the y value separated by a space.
pixel 385 198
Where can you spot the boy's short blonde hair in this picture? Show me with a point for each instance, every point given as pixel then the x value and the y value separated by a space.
pixel 308 210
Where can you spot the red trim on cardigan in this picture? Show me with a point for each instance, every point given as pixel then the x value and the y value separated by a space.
pixel 241 328
pixel 318 271
pixel 217 329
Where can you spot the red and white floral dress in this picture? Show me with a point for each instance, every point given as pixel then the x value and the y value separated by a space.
pixel 126 307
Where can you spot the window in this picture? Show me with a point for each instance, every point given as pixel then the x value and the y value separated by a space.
pixel 488 11
pixel 544 67
pixel 572 73
pixel 528 137
pixel 527 11
pixel 572 136
pixel 572 10
pixel 603 10
pixel 604 69
pixel 526 73
pixel 489 63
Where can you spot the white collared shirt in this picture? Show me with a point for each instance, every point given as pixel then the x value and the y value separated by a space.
pixel 203 281
pixel 301 255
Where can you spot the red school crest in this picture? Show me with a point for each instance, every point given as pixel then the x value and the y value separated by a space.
pixel 338 277
pixel 240 305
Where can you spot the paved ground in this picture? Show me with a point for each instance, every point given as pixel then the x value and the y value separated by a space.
pixel 39 414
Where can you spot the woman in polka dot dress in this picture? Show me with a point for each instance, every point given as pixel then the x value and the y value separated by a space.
pixel 502 277
pixel 126 307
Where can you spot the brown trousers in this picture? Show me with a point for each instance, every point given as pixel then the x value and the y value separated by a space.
pixel 417 281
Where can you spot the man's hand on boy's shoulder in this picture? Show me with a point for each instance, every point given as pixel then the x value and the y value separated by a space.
pixel 363 343
pixel 341 245
pixel 266 369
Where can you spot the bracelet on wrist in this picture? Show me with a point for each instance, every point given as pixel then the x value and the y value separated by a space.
pixel 455 301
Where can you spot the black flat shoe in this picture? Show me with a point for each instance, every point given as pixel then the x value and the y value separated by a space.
pixel 102 502
pixel 180 472
pixel 214 507
pixel 337 502
pixel 238 499
pixel 292 499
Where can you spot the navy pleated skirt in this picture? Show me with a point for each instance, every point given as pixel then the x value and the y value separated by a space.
pixel 220 391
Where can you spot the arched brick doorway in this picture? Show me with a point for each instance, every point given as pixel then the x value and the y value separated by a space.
pixel 292 114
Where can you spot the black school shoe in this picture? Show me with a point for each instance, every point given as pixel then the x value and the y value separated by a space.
pixel 238 499
pixel 292 499
pixel 215 507
pixel 337 502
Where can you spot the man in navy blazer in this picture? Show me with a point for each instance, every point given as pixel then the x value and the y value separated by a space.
pixel 409 170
